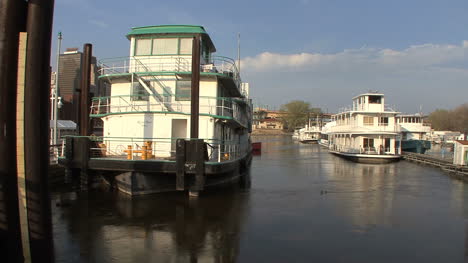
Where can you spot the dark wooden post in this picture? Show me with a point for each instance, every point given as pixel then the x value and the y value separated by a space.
pixel 12 21
pixel 180 164
pixel 195 87
pixel 84 89
pixel 36 128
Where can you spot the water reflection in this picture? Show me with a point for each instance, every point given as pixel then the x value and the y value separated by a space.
pixel 110 227
pixel 370 191
pixel 305 205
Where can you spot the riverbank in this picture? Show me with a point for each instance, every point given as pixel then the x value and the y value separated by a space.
pixel 271 132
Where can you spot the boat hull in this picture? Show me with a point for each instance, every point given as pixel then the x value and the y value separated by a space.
pixel 416 146
pixel 312 141
pixel 368 158
pixel 144 182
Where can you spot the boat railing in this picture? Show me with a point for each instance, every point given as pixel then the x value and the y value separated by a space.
pixel 363 150
pixel 222 107
pixel 176 64
pixel 133 148
pixel 359 128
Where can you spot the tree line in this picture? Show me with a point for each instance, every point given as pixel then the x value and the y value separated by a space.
pixel 450 120
pixel 297 114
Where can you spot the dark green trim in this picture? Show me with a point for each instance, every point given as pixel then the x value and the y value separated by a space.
pixel 167 29
pixel 163 73
pixel 171 30
pixel 166 112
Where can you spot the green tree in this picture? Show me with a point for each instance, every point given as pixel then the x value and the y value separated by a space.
pixel 296 113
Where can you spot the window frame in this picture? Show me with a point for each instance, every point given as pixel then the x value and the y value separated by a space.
pixel 177 95
pixel 151 53
pixel 382 123
pixel 367 123
pixel 138 95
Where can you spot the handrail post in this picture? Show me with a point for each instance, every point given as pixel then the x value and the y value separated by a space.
pixel 132 148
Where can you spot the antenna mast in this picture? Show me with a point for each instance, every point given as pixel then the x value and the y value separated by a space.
pixel 238 52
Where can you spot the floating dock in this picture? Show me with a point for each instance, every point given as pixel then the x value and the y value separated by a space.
pixel 446 165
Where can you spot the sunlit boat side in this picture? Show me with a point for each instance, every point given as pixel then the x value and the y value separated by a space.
pixel 367 132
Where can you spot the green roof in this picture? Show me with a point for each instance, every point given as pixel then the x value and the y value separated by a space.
pixel 167 29
pixel 171 29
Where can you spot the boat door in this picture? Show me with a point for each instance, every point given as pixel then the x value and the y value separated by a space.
pixel 387 144
pixel 179 130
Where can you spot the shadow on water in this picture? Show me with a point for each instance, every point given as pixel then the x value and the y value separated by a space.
pixel 113 227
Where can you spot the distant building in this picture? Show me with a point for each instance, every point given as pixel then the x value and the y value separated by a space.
pixel 267 119
pixel 70 70
pixel 444 136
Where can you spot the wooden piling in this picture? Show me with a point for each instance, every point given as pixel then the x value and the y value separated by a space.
pixel 194 113
pixel 12 21
pixel 84 124
pixel 36 128
pixel 180 164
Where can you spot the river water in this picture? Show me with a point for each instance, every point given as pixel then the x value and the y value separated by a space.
pixel 303 205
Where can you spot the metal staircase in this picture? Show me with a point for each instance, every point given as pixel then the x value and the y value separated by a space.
pixel 151 90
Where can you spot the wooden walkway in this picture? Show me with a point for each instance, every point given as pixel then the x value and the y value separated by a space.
pixel 444 164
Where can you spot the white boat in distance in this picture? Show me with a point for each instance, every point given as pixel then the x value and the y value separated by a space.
pixel 309 134
pixel 366 133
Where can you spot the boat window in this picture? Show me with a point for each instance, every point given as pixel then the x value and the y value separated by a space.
pixel 183 90
pixel 139 93
pixel 383 121
pixel 143 47
pixel 185 46
pixel 375 99
pixel 367 142
pixel 165 46
pixel 368 121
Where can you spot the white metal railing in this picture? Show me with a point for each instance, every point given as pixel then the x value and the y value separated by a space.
pixel 129 148
pixel 365 107
pixel 363 150
pixel 362 129
pixel 237 109
pixel 177 64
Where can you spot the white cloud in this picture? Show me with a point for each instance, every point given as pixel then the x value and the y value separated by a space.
pixel 415 56
pixel 431 75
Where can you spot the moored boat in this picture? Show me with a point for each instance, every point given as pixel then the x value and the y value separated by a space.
pixel 309 134
pixel 146 146
pixel 414 133
pixel 367 132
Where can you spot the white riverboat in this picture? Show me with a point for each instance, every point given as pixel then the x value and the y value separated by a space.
pixel 367 132
pixel 149 110
pixel 309 134
pixel 325 133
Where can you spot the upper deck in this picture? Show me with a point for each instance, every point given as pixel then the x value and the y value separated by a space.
pixel 167 50
pixel 368 115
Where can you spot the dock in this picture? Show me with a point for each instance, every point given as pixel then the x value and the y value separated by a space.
pixel 458 171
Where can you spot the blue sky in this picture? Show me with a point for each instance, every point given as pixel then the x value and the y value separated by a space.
pixel 320 51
